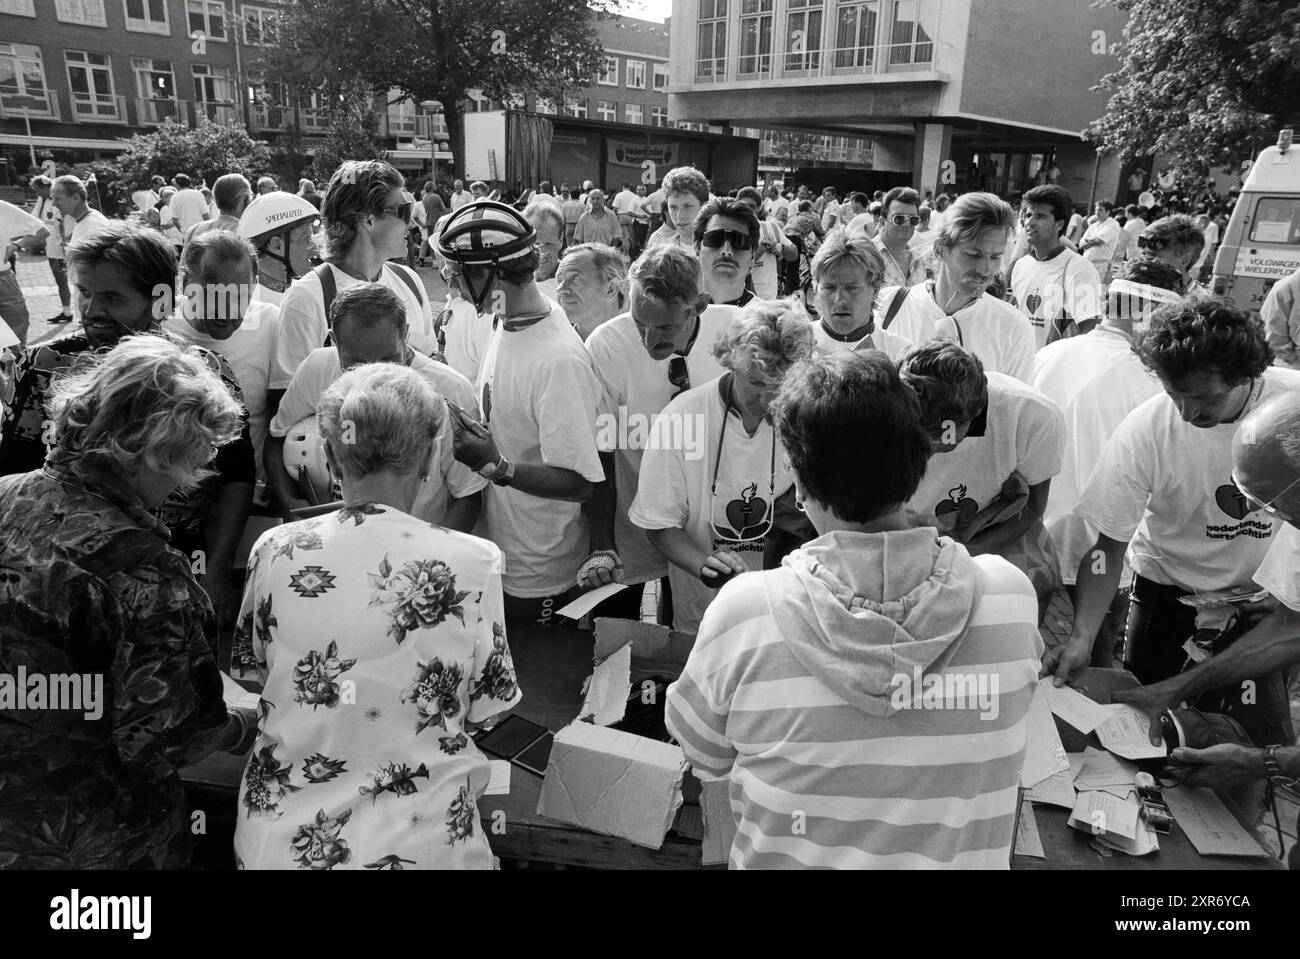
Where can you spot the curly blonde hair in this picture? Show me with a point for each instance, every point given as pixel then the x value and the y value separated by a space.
pixel 767 336
pixel 148 401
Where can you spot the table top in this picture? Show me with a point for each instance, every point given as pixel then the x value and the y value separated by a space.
pixel 551 664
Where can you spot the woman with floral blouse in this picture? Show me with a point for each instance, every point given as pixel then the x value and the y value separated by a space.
pixel 381 644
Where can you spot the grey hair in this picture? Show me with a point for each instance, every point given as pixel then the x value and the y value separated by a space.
pixel 668 273
pixel 769 336
pixel 971 215
pixel 540 210
pixel 605 260
pixel 71 184
pixel 841 246
pixel 146 401
pixel 380 417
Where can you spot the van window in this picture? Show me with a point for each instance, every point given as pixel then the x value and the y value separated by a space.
pixel 1277 220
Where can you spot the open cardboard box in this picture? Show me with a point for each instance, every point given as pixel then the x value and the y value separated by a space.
pixel 621 784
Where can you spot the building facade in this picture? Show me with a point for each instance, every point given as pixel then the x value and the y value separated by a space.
pixel 964 94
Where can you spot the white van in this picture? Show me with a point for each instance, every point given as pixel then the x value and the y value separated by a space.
pixel 1262 242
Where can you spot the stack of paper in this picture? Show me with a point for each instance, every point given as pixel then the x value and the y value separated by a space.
pixel 1116 823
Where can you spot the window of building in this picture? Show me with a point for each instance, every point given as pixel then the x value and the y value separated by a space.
pixel 87 12
pixel 608 74
pixel 755 37
pixel 576 109
pixel 208 16
pixel 912 36
pixel 22 79
pixel 90 78
pixel 147 16
pixel 633 113
pixel 214 92
pixel 661 76
pixel 855 33
pixel 607 110
pixel 803 35
pixel 259 26
pixel 636 74
pixel 659 116
pixel 711 40
pixel 19 8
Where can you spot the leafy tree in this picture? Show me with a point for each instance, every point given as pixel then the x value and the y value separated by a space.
pixel 353 133
pixel 1203 82
pixel 441 49
pixel 795 149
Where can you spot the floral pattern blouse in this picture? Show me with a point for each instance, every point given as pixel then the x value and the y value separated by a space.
pixel 379 638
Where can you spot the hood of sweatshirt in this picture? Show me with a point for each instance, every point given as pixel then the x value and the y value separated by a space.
pixel 859 609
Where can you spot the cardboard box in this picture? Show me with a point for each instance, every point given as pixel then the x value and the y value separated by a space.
pixel 614 782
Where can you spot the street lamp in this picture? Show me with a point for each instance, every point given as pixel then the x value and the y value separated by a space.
pixel 432 108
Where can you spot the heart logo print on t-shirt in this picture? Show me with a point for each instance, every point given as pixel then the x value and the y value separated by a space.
pixel 1231 501
pixel 1033 301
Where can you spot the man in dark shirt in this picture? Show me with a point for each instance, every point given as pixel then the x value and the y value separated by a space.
pixel 124 281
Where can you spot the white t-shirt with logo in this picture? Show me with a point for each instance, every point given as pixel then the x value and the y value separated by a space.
pixel 1165 487
pixel 674 491
pixel 764 270
pixel 1044 289
pixel 1280 571
pixel 189 207
pixel 1097 380
pixel 634 390
pixel 447 477
pixel 304 326
pixel 887 342
pixel 542 410
pixel 250 351
pixel 1024 433
pixel 995 331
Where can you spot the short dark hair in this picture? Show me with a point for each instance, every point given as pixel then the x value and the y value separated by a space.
pixel 1178 232
pixel 182 181
pixel 823 400
pixel 367 305
pixel 1107 204
pixel 859 198
pixel 229 189
pixel 1132 210
pixel 1151 272
pixel 147 259
pixel 1057 197
pixel 1204 335
pixel 214 247
pixel 749 194
pixel 949 381
pixel 726 206
pixel 901 194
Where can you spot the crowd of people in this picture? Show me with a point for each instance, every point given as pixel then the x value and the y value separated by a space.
pixel 837 440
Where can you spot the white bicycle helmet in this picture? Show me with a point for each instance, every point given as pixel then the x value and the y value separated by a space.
pixel 304 458
pixel 485 233
pixel 275 214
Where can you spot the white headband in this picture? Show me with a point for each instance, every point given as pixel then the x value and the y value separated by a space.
pixel 1144 291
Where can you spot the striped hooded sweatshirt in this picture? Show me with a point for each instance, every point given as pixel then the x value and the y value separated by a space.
pixel 868 701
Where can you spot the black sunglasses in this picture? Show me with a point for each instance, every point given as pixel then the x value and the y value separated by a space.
pixel 678 375
pixel 715 239
pixel 898 219
pixel 1155 246
pixel 402 211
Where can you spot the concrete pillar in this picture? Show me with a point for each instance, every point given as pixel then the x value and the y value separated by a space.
pixel 933 148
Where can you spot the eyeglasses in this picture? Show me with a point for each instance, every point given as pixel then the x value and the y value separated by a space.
pixel 898 219
pixel 401 210
pixel 1255 502
pixel 678 375
pixel 715 239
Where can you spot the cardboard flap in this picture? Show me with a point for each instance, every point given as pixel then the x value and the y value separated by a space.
pixel 614 783
pixel 605 698
pixel 719 821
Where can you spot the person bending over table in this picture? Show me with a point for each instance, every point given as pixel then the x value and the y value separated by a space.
pixel 381 644
pixel 91 590
pixel 806 683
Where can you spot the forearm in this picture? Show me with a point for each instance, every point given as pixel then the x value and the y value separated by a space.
pixel 226 526
pixel 551 482
pixel 1096 588
pixel 679 548
pixel 462 513
pixel 1288 757
pixel 1273 644
pixel 601 507
pixel 997 538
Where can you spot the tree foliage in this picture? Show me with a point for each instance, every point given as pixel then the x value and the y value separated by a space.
pixel 795 149
pixel 353 132
pixel 1202 82
pixel 440 49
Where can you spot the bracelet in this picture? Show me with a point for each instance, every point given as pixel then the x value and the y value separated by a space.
pixel 1273 769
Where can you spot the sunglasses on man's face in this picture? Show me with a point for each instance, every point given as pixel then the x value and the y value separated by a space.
pixel 716 239
pixel 1155 246
pixel 898 219
pixel 401 210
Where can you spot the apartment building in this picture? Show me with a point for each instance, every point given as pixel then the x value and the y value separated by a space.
pixel 963 94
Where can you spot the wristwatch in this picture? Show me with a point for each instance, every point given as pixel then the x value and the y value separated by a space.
pixel 505 472
pixel 1273 770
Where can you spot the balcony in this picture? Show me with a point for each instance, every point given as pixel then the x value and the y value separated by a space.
pixel 313 119
pixel 157 111
pixel 269 116
pixel 91 108
pixel 17 105
pixel 400 124
pixel 216 111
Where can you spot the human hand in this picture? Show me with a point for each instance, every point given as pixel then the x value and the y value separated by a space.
pixel 601 568
pixel 1067 660
pixel 475 448
pixel 1152 701
pixel 1219 767
pixel 720 566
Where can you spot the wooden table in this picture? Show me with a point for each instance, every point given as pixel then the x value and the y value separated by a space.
pixel 551 665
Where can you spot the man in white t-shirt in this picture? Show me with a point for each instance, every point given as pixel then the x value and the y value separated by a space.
pixel 52 233
pixel 370 327
pixel 624 202
pixel 1268 475
pixel 14 222
pixel 774 247
pixel 1058 290
pixel 726 235
pixel 775 207
pixel 955 305
pixel 216 311
pixel 642 360
pixel 685 190
pixel 459 195
pixel 537 441
pixel 1178 241
pixel 1163 491
pixel 830 210
pixel 280 226
pixel 69 195
pixel 188 204
pixel 847 273
pixel 366 228
pixel 996 443
pixel 1134 223
pixel 1101 239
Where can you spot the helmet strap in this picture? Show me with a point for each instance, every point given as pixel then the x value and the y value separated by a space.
pixel 479 296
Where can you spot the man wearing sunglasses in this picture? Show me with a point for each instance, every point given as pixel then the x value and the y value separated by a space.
pixel 903 266
pixel 366 216
pixel 1177 241
pixel 1162 492
pixel 726 236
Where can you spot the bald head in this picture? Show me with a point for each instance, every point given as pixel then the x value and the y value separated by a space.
pixel 1266 454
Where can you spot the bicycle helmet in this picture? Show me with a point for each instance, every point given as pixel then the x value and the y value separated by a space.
pixel 275 214
pixel 485 233
pixel 304 457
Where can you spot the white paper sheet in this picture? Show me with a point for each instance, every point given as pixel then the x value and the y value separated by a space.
pixel 1208 824
pixel 1044 754
pixel 1101 769
pixel 1072 706
pixel 588 601
pixel 1100 813
pixel 1055 790
pixel 236 696
pixel 1126 732
pixel 499 784
pixel 1028 841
